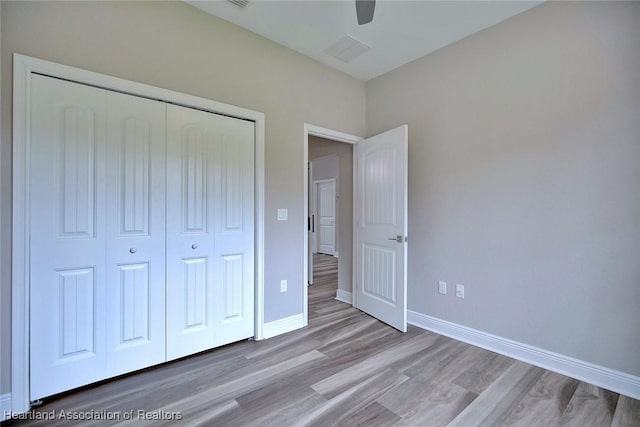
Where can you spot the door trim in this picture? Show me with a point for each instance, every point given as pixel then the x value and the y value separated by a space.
pixel 23 67
pixel 332 135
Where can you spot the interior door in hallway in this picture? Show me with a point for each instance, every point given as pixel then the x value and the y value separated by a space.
pixel 381 226
pixel 210 249
pixel 325 191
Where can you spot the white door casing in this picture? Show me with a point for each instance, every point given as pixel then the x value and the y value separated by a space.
pixel 310 226
pixel 209 230
pixel 381 226
pixel 325 196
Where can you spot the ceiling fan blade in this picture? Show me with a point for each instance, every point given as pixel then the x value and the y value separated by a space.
pixel 364 11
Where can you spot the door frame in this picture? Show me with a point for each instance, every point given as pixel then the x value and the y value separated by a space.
pixel 332 135
pixel 23 67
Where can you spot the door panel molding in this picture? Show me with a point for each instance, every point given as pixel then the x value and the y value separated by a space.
pixel 23 68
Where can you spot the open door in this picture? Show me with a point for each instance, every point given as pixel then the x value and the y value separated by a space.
pixel 381 226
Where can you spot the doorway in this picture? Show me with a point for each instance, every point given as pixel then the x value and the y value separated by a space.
pixel 329 156
pixel 378 284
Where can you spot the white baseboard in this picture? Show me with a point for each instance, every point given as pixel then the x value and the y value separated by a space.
pixel 344 296
pixel 5 406
pixel 619 382
pixel 282 326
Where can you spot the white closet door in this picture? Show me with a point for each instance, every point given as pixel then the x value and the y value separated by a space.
pixel 135 225
pixel 67 274
pixel 234 233
pixel 209 230
pixel 142 235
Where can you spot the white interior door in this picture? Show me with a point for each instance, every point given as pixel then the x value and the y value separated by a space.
pixel 209 230
pixel 135 208
pixel 326 214
pixel 67 265
pixel 381 226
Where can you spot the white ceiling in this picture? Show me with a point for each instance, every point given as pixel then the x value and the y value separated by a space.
pixel 401 31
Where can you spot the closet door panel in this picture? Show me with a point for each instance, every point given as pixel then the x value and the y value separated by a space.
pixel 67 246
pixel 191 181
pixel 234 236
pixel 209 230
pixel 135 224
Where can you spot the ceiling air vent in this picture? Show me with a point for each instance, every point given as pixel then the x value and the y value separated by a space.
pixel 240 3
pixel 347 49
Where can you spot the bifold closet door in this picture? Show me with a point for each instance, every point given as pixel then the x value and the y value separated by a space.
pixel 68 245
pixel 135 207
pixel 97 234
pixel 210 234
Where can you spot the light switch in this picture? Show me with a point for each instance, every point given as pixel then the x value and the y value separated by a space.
pixel 283 214
pixel 442 287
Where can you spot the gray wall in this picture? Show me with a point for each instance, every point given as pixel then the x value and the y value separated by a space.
pixel 325 167
pixel 320 147
pixel 175 46
pixel 524 177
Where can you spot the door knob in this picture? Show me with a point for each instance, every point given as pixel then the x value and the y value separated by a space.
pixel 398 239
pixel 133 250
pixel 194 246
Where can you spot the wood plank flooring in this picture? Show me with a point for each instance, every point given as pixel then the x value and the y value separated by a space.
pixel 344 369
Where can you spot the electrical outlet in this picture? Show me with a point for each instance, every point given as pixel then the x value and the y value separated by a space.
pixel 283 214
pixel 283 286
pixel 442 288
pixel 460 291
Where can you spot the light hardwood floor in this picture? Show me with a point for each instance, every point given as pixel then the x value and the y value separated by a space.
pixel 347 369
